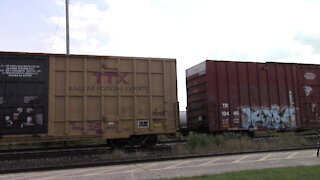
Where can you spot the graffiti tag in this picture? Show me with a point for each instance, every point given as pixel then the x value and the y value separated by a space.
pixel 274 118
pixel 92 127
pixel 310 76
pixel 307 90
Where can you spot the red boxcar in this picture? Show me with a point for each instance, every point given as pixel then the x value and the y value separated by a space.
pixel 225 95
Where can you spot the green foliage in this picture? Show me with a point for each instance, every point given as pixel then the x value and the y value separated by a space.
pixel 165 137
pixel 205 143
pixel 236 142
pixel 196 141
pixel 290 173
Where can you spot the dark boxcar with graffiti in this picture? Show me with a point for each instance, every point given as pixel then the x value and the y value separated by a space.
pixel 56 97
pixel 23 94
pixel 225 95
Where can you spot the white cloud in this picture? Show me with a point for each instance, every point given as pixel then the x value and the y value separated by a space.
pixel 193 31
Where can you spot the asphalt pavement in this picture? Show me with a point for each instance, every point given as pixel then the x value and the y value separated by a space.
pixel 177 168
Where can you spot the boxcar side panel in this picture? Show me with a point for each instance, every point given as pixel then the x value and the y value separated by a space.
pixel 234 96
pixel 223 95
pixel 256 96
pixel 112 97
pixel 211 103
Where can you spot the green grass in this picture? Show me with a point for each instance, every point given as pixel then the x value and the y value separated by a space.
pixel 274 133
pixel 164 137
pixel 232 142
pixel 290 173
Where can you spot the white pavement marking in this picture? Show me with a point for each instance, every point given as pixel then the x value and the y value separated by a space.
pixel 240 159
pixel 226 163
pixel 147 165
pixel 92 171
pixel 27 175
pixel 176 165
pixel 132 176
pixel 265 157
pixel 209 162
pixel 292 155
pixel 134 170
pixel 154 174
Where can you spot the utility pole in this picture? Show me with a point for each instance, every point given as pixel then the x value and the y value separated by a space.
pixel 67 27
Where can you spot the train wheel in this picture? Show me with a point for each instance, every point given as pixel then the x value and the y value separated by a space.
pixel 151 141
pixel 117 143
pixel 134 141
pixel 137 141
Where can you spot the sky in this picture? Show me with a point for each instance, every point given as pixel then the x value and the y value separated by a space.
pixel 191 31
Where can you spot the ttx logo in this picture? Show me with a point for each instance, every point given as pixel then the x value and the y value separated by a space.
pixel 111 77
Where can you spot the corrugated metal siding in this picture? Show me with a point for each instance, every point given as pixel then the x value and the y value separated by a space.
pixel 197 98
pixel 256 96
pixel 309 92
pixel 112 97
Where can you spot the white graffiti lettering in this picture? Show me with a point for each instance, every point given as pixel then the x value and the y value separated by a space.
pixel 310 76
pixel 307 90
pixel 291 98
pixel 275 107
pixel 273 118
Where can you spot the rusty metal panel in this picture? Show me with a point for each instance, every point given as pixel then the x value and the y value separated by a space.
pixel 112 97
pixel 225 95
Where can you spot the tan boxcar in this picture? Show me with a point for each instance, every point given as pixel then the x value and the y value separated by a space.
pixel 105 97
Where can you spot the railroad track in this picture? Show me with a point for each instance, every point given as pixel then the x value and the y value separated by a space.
pixel 299 135
pixel 29 153
pixel 93 160
pixel 20 154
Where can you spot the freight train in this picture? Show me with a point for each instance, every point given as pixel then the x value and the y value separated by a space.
pixel 131 100
pixel 58 97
